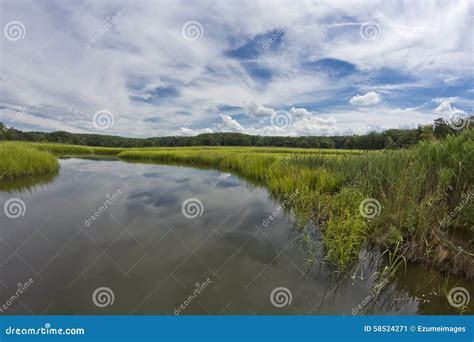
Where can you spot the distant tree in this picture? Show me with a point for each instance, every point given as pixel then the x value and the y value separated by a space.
pixel 441 129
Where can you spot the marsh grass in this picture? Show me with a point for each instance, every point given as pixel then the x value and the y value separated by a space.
pixel 19 159
pixel 416 188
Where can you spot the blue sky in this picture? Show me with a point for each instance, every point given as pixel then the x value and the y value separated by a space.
pixel 293 68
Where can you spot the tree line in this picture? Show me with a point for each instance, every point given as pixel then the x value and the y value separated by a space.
pixel 389 139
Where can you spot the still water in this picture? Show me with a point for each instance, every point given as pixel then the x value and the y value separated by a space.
pixel 109 237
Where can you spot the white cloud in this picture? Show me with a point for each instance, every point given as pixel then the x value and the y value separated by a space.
pixel 370 98
pixel 191 132
pixel 231 124
pixel 260 111
pixel 447 110
pixel 299 112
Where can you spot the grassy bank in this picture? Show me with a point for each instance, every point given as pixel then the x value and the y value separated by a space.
pixel 19 159
pixel 419 201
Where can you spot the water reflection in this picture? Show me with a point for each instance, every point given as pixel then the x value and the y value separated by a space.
pixel 27 183
pixel 151 256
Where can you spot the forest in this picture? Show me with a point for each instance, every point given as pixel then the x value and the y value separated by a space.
pixel 389 139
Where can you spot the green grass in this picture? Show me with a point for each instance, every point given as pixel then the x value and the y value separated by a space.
pixel 19 159
pixel 416 189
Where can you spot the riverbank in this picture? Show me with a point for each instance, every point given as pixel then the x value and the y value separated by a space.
pixel 19 159
pixel 416 202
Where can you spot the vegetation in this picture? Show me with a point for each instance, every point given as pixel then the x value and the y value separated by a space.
pixel 390 139
pixel 416 188
pixel 19 159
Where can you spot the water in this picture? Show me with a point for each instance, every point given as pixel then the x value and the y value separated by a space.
pixel 142 255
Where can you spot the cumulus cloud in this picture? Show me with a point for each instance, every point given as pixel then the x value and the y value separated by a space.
pixel 299 112
pixel 231 124
pixel 260 111
pixel 447 110
pixel 370 98
pixel 192 132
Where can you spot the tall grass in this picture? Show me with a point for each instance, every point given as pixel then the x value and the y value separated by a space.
pixel 21 159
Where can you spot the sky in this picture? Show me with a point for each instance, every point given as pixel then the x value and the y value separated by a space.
pixel 157 68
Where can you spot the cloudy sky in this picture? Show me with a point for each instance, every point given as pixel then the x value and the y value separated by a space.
pixel 309 67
